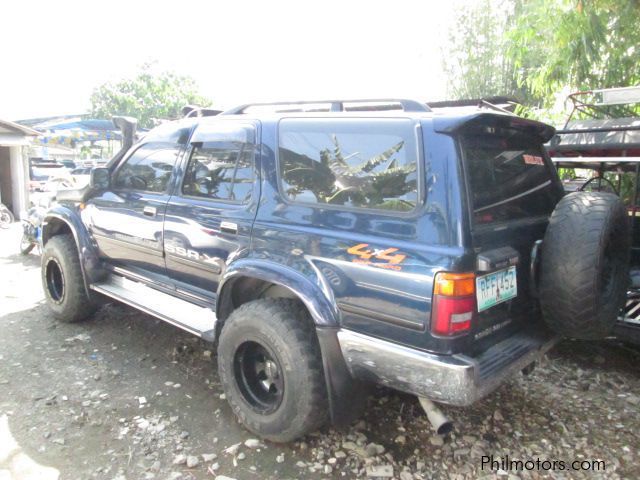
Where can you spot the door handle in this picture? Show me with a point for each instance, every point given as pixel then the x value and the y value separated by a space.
pixel 149 211
pixel 229 227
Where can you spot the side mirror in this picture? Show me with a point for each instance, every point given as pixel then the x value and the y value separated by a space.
pixel 100 178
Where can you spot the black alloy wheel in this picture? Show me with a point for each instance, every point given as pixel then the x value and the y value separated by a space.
pixel 271 369
pixel 259 377
pixel 55 280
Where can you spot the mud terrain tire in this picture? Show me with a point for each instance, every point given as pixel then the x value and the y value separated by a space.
pixel 584 272
pixel 276 331
pixel 63 283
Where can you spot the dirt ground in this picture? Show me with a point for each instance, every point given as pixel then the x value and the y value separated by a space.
pixel 124 396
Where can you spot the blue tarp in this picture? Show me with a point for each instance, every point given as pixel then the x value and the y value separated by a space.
pixel 91 124
pixel 68 133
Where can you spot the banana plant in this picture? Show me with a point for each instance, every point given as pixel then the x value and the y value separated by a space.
pixel 377 182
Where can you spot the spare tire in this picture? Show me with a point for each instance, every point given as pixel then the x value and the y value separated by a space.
pixel 584 270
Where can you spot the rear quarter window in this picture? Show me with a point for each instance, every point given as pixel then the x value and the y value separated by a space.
pixel 369 164
pixel 509 176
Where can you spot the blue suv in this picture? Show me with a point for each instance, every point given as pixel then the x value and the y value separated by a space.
pixel 323 247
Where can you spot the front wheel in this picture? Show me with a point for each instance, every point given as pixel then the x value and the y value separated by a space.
pixel 26 244
pixel 63 282
pixel 271 369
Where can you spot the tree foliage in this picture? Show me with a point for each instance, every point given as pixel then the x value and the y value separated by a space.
pixel 579 44
pixel 533 49
pixel 474 58
pixel 149 97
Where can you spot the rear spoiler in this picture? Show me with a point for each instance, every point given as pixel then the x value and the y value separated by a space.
pixel 451 125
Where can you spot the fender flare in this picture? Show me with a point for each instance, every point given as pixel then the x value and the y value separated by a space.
pixel 347 395
pixel 89 260
pixel 319 303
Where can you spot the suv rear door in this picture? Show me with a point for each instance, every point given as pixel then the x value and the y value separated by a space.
pixel 512 190
pixel 210 215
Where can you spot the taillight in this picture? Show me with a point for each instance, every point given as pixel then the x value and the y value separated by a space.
pixel 454 303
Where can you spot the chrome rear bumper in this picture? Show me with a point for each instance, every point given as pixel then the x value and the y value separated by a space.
pixel 452 379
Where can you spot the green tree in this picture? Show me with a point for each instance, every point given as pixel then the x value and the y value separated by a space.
pixel 475 57
pixel 534 49
pixel 149 97
pixel 579 44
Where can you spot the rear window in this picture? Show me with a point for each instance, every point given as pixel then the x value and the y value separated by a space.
pixel 370 164
pixel 508 175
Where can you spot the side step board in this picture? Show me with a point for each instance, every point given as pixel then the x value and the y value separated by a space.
pixel 194 319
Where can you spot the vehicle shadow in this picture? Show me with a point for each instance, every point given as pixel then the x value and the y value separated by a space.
pixel 611 355
pixel 31 260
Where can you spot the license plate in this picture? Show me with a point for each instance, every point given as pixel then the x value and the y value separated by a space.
pixel 495 288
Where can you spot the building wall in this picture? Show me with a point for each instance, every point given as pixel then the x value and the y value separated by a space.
pixel 19 180
pixel 6 193
pixel 14 179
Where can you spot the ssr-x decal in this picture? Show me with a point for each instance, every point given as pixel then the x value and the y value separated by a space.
pixel 190 254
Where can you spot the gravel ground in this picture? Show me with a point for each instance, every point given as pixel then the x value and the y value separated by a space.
pixel 124 396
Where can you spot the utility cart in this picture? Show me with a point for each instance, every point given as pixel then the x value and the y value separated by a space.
pixel 598 149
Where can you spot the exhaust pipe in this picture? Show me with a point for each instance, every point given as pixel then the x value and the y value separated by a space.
pixel 440 423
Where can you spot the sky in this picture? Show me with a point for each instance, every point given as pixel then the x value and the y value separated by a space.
pixel 55 52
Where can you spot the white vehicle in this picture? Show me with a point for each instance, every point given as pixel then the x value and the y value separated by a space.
pixel 48 178
pixel 81 176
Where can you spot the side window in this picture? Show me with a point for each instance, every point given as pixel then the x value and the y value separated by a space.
pixel 368 163
pixel 149 168
pixel 220 170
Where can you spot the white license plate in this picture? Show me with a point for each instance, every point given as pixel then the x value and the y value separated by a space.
pixel 495 288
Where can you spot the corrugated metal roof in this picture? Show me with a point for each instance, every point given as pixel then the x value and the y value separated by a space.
pixel 12 127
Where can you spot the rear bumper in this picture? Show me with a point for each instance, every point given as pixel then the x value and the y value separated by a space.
pixel 451 379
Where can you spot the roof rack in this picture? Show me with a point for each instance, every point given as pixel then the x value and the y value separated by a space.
pixel 594 102
pixel 196 111
pixel 337 105
pixel 502 102
pixel 491 106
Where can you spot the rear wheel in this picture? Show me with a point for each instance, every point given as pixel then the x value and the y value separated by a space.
pixel 6 217
pixel 585 265
pixel 62 281
pixel 271 369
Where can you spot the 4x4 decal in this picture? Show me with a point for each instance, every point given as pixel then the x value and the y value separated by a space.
pixel 388 255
